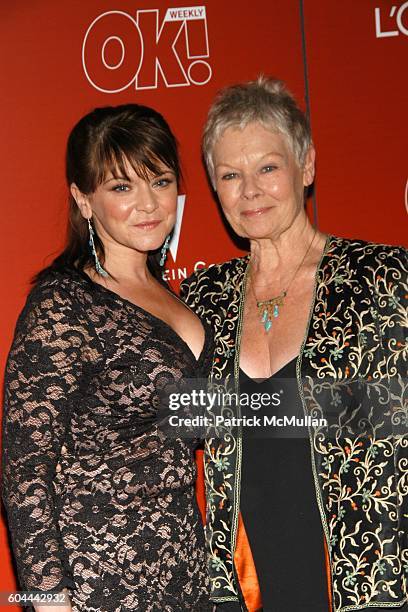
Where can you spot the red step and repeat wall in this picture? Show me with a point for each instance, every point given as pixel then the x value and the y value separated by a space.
pixel 344 60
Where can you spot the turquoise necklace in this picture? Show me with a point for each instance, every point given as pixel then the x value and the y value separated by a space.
pixel 269 309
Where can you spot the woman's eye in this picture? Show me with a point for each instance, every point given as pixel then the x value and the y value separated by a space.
pixel 266 169
pixel 229 176
pixel 120 187
pixel 163 182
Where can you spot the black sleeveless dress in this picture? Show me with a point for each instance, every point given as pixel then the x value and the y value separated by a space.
pixel 278 504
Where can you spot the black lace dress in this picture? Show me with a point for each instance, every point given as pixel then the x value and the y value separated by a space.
pixel 99 499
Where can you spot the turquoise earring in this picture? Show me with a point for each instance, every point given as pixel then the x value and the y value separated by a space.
pixel 163 251
pixel 98 266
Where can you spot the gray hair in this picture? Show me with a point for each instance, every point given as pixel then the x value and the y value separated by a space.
pixel 266 101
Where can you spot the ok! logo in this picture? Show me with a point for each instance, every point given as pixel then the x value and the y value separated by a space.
pixel 120 51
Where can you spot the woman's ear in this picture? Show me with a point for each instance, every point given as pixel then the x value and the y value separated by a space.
pixel 82 201
pixel 309 166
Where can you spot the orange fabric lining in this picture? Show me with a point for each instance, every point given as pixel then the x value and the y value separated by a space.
pixel 245 566
pixel 328 575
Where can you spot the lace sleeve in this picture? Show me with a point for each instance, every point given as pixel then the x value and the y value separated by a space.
pixel 42 376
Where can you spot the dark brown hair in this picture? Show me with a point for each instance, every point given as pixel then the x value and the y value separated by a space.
pixel 104 141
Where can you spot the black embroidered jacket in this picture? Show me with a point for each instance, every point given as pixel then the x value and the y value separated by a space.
pixel 352 370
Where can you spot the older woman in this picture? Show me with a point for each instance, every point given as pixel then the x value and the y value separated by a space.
pixel 326 314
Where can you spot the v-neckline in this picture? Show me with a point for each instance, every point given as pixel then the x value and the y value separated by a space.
pixel 274 375
pixel 326 249
pixel 155 318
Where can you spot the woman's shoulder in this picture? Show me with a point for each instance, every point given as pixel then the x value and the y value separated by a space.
pixel 371 264
pixel 364 249
pixel 210 289
pixel 58 290
pixel 218 272
pixel 65 280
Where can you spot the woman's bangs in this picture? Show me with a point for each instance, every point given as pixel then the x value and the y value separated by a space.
pixel 115 161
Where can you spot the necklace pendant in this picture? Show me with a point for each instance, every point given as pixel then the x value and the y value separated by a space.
pixel 269 309
pixel 265 319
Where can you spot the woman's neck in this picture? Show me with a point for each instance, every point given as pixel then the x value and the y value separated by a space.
pixel 280 257
pixel 125 266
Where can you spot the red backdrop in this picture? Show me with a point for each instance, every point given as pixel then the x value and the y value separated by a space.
pixel 344 59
